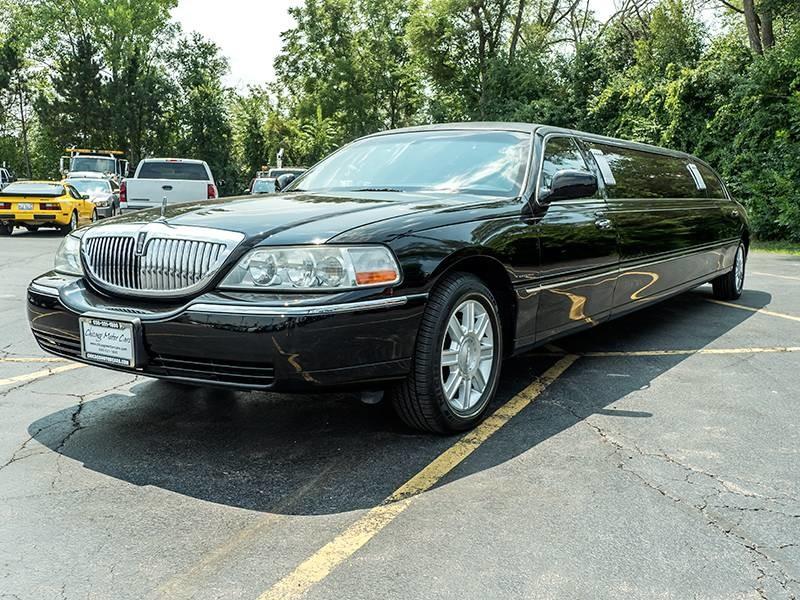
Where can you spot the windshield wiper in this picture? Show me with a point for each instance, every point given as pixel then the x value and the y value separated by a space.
pixel 378 189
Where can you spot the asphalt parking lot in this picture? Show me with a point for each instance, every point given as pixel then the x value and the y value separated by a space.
pixel 653 457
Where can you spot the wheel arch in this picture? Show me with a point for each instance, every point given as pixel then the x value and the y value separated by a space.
pixel 495 276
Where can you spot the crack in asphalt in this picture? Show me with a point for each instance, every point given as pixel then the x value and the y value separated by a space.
pixel 75 422
pixel 781 576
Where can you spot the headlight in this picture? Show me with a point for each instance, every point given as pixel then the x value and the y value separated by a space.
pixel 68 257
pixel 314 268
pixel 100 202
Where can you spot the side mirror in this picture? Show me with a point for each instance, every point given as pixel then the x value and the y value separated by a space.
pixel 246 191
pixel 85 196
pixel 284 180
pixel 569 184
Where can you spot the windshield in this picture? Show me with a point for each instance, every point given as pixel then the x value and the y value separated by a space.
pixel 92 163
pixel 91 186
pixel 476 162
pixel 264 186
pixel 27 188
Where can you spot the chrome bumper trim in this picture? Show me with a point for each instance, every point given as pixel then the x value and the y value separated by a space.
pixel 295 311
pixel 44 289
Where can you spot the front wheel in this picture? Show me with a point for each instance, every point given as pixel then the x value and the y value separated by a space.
pixel 6 229
pixel 94 216
pixel 730 285
pixel 456 365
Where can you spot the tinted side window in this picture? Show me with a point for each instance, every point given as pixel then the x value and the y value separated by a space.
pixel 560 153
pixel 173 170
pixel 640 174
pixel 713 184
pixel 73 192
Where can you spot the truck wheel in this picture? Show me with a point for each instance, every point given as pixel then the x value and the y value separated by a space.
pixel 456 364
pixel 6 228
pixel 730 285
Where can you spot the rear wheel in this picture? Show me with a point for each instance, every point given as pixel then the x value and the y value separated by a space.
pixel 6 228
pixel 730 285
pixel 73 223
pixel 457 359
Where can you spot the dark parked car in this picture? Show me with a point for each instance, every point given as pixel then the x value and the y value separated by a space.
pixel 412 261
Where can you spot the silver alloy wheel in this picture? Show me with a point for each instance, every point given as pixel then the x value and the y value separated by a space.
pixel 73 221
pixel 467 356
pixel 739 269
pixel 94 216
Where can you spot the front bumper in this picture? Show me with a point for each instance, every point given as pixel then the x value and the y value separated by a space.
pixel 104 212
pixel 243 341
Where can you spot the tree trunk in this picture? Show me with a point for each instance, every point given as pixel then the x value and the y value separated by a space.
pixel 751 20
pixel 767 32
pixel 24 124
pixel 517 29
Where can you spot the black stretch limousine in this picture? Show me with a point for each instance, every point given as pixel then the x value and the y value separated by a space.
pixel 410 260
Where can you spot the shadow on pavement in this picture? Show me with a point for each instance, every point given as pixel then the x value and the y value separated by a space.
pixel 329 453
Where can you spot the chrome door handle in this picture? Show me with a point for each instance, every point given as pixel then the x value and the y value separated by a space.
pixel 603 223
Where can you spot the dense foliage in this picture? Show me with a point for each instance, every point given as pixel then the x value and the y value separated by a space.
pixel 719 78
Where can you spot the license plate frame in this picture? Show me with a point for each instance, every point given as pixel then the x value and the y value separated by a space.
pixel 25 206
pixel 99 344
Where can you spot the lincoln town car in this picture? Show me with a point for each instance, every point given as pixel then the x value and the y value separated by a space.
pixel 409 263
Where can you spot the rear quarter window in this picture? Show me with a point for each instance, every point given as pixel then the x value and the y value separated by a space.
pixel 173 170
pixel 713 183
pixel 640 174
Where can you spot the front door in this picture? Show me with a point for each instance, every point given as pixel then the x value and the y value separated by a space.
pixel 578 249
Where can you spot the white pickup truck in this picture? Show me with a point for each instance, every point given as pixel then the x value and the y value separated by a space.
pixel 176 179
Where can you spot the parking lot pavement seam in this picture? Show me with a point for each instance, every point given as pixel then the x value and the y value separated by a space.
pixel 762 311
pixel 711 351
pixel 28 377
pixel 319 565
pixel 789 277
pixel 32 359
pixel 781 575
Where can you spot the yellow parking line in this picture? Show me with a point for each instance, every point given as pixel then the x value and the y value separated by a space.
pixel 773 275
pixel 33 359
pixel 763 311
pixel 331 555
pixel 39 374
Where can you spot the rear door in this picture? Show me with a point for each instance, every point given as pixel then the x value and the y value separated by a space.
pixel 578 249
pixel 668 228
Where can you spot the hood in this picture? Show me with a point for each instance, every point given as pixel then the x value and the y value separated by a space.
pixel 301 218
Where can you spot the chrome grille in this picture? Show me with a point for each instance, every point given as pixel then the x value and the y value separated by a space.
pixel 155 260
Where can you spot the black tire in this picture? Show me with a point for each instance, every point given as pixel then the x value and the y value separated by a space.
pixel 95 216
pixel 32 228
pixel 420 400
pixel 730 285
pixel 6 229
pixel 72 225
